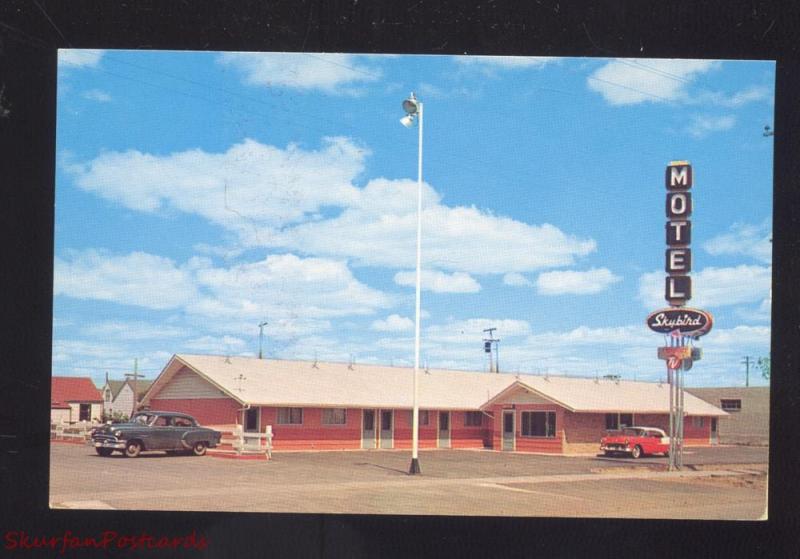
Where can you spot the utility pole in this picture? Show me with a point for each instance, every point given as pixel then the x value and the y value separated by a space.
pixel 135 376
pixel 261 338
pixel 746 361
pixel 487 347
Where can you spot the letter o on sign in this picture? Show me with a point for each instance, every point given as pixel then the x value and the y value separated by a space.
pixel 679 204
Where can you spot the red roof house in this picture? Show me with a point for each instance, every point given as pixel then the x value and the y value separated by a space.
pixel 74 399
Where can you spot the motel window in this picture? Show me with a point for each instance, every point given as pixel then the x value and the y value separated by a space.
pixel 290 416
pixel 423 417
pixel 625 419
pixel 698 421
pixel 612 421
pixel 334 416
pixel 538 424
pixel 473 419
pixel 731 405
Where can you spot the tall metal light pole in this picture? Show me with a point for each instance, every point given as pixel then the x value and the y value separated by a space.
pixel 413 108
pixel 261 337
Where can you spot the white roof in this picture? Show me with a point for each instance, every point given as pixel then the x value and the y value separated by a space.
pixel 603 395
pixel 270 382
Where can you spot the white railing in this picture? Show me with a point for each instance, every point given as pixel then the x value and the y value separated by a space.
pixel 251 442
pixel 76 431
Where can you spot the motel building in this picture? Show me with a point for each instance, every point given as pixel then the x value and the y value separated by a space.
pixel 340 406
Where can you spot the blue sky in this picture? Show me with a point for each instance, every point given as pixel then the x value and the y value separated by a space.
pixel 200 193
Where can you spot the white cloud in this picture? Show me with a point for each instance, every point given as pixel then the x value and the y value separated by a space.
pixel 516 279
pixel 272 197
pixel 393 323
pixel 219 345
pixel 745 239
pixel 703 125
pixel 633 81
pixel 138 278
pixel 243 189
pixel 132 330
pixel 285 286
pixel 471 331
pixel 505 62
pixel 736 100
pixel 712 287
pixel 561 282
pixel 80 58
pixel 439 282
pixel 331 73
pixel 97 95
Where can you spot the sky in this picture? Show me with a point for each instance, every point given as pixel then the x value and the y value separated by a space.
pixel 199 194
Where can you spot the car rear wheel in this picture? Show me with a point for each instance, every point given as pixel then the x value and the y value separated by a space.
pixel 103 451
pixel 132 449
pixel 636 452
pixel 199 448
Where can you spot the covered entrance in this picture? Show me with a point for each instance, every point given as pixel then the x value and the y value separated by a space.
pixel 508 430
pixel 387 429
pixel 252 420
pixel 444 429
pixel 714 431
pixel 368 429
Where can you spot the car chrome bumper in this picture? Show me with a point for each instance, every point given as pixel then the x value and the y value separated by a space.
pixel 119 445
pixel 615 449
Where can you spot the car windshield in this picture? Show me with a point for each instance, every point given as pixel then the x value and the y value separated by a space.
pixel 632 432
pixel 143 418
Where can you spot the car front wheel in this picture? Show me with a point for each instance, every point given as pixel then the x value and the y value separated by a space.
pixel 636 452
pixel 132 449
pixel 199 448
pixel 103 451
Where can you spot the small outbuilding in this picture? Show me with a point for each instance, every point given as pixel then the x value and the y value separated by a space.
pixel 336 406
pixel 74 399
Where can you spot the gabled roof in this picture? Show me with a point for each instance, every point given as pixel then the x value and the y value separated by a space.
pixel 603 395
pixel 116 385
pixel 73 389
pixel 270 382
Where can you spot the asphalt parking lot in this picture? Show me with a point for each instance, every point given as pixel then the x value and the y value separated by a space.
pixel 731 483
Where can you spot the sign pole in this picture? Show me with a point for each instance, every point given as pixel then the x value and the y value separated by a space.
pixel 671 420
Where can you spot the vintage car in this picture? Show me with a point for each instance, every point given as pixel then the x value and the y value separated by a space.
pixel 636 441
pixel 155 430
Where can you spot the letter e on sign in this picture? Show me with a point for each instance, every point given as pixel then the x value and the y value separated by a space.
pixel 679 177
pixel 679 260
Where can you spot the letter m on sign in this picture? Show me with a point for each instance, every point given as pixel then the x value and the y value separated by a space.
pixel 679 176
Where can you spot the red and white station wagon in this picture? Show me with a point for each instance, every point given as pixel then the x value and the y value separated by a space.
pixel 636 441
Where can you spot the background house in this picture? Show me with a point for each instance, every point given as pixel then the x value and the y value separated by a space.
pixel 118 395
pixel 340 406
pixel 74 399
pixel 747 421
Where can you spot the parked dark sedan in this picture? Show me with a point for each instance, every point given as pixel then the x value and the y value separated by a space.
pixel 155 430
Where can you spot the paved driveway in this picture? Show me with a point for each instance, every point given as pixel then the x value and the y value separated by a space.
pixel 452 482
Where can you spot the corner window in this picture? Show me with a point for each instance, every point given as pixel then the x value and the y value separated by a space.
pixel 290 416
pixel 334 416
pixel 473 419
pixel 538 424
pixel 731 405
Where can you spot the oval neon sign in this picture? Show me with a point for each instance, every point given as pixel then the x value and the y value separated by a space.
pixel 689 322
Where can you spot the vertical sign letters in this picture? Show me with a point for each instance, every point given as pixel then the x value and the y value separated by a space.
pixel 678 286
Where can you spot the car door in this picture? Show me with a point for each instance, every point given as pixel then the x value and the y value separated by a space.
pixel 161 434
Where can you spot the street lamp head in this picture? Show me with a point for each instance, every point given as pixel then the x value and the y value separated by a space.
pixel 407 121
pixel 411 105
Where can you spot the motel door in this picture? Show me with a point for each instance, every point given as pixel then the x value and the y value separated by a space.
pixel 714 432
pixel 444 429
pixel 387 429
pixel 368 429
pixel 508 430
